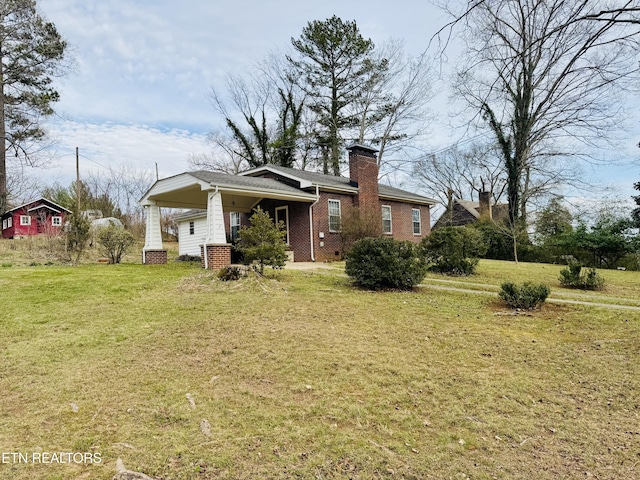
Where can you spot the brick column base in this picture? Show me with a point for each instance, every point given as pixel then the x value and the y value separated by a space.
pixel 154 257
pixel 217 255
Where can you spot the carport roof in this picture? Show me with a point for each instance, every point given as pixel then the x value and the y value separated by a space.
pixel 190 190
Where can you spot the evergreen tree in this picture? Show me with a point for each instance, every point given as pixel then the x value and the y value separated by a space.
pixel 263 241
pixel 31 52
pixel 334 65
pixel 554 221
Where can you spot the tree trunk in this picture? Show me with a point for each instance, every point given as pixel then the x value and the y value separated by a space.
pixel 3 150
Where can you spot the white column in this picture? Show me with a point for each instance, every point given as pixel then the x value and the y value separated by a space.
pixel 216 233
pixel 153 234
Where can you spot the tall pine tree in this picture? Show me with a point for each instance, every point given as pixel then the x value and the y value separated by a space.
pixel 31 52
pixel 333 65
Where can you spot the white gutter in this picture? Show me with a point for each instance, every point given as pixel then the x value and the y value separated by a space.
pixel 313 255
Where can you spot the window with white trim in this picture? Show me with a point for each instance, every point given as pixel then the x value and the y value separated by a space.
pixel 25 220
pixel 386 219
pixel 56 221
pixel 192 227
pixel 9 222
pixel 4 224
pixel 234 221
pixel 417 224
pixel 335 217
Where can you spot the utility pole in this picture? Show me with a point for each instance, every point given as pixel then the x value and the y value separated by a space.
pixel 77 181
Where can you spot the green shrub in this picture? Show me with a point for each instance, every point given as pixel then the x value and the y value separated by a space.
pixel 263 241
pixel 76 236
pixel 378 263
pixel 115 242
pixel 454 250
pixel 571 277
pixel 231 273
pixel 526 296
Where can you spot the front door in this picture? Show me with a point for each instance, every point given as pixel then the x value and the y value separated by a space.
pixel 282 215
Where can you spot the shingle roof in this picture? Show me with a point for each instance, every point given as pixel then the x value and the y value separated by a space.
pixel 193 213
pixel 388 191
pixel 39 200
pixel 242 181
pixel 314 177
pixel 334 181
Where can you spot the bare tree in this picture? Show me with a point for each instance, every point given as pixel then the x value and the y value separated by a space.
pixel 222 158
pixel 464 172
pixel 544 80
pixel 246 118
pixel 392 109
pixel 263 115
pixel 22 186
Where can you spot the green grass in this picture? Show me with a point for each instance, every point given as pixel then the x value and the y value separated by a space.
pixel 302 376
pixel 621 287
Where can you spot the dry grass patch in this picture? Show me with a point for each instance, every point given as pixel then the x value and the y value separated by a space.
pixel 301 376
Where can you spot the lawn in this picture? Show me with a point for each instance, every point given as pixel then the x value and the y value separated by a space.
pixel 301 376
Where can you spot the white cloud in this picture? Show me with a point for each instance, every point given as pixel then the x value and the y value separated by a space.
pixel 108 145
pixel 144 68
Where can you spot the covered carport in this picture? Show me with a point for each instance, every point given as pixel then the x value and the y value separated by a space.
pixel 217 193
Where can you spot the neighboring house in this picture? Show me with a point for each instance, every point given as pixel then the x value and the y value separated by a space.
pixel 311 206
pixel 40 216
pixel 465 212
pixel 192 227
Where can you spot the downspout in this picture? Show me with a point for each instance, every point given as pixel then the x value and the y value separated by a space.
pixel 313 255
pixel 206 256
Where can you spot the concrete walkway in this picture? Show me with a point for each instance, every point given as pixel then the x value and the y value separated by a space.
pixel 549 300
pixel 486 289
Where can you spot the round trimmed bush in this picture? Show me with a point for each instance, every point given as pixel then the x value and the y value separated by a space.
pixel 526 296
pixel 379 263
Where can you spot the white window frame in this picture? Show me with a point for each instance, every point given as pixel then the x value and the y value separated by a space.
pixel 25 220
pixel 286 220
pixel 4 224
pixel 390 220
pixel 234 221
pixel 419 222
pixel 192 227
pixel 329 215
pixel 56 221
pixel 9 222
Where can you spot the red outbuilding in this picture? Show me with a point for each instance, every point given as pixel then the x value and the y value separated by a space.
pixel 38 217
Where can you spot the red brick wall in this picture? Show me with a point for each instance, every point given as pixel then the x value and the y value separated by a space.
pixel 299 240
pixel 155 257
pixel 218 256
pixel 331 242
pixel 298 226
pixel 402 220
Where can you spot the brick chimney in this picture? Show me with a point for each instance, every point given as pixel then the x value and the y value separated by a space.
pixel 485 206
pixel 363 172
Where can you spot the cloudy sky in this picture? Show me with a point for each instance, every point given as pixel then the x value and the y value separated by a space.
pixel 143 69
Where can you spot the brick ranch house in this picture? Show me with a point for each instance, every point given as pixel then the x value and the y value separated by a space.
pixel 38 217
pixel 310 205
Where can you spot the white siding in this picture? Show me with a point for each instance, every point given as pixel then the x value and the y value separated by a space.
pixel 190 244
